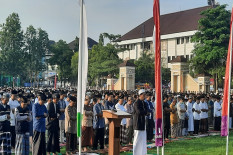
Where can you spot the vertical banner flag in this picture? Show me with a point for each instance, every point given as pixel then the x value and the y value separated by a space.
pixel 55 81
pixel 82 66
pixel 158 90
pixel 226 98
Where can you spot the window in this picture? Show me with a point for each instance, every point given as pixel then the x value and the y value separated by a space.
pixel 142 45
pixel 133 46
pixel 147 45
pixel 187 57
pixel 187 39
pixel 182 40
pixel 178 41
pixel 168 59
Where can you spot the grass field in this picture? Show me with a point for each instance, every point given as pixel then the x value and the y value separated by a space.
pixel 213 145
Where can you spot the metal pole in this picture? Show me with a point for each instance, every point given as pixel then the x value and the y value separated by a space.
pixel 80 70
pixel 229 93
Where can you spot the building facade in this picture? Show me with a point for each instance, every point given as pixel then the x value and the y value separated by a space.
pixel 177 30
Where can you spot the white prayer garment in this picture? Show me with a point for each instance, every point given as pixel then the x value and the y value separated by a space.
pixel 139 143
pixel 190 115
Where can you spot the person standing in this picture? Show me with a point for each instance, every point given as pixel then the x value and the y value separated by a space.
pixel 181 109
pixel 166 117
pixel 190 111
pixel 13 103
pixel 62 106
pixel 174 119
pixel 22 127
pixel 204 115
pixel 71 126
pixel 196 115
pixel 150 125
pixel 109 105
pixel 98 123
pixel 39 114
pixel 129 121
pixel 5 135
pixel 139 123
pixel 53 125
pixel 231 113
pixel 120 107
pixel 217 114
pixel 87 125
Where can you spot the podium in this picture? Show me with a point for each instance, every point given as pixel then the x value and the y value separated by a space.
pixel 114 129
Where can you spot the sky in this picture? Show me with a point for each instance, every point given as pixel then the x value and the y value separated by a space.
pixel 60 18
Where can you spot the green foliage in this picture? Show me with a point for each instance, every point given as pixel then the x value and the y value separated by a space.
pixel 211 41
pixel 11 45
pixel 103 61
pixel 36 46
pixel 62 56
pixel 145 68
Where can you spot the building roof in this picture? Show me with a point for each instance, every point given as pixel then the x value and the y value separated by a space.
pixel 127 63
pixel 90 41
pixel 182 21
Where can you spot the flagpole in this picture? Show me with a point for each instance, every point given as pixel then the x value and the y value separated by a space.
pixel 229 92
pixel 80 78
pixel 161 89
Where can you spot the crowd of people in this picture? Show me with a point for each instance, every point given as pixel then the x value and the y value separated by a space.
pixel 47 118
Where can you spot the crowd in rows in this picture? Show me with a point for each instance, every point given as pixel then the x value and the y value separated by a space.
pixel 47 118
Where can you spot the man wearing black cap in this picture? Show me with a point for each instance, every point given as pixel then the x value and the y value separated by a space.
pixel 53 125
pixel 98 123
pixel 150 125
pixel 39 114
pixel 120 107
pixel 13 103
pixel 71 125
pixel 5 135
pixel 22 127
pixel 62 105
pixel 217 114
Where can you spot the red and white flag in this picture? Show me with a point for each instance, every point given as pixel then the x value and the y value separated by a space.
pixel 226 98
pixel 158 79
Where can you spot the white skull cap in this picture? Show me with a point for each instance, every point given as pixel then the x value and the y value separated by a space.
pixel 141 91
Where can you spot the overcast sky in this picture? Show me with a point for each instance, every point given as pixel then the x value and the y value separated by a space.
pixel 60 18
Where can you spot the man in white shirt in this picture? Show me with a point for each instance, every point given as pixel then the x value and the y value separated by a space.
pixel 13 103
pixel 217 114
pixel 190 115
pixel 196 115
pixel 181 109
pixel 120 107
pixel 204 115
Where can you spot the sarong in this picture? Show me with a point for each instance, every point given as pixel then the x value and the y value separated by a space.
pixel 22 146
pixel 38 144
pixel 87 136
pixel 123 135
pixel 71 142
pixel 5 143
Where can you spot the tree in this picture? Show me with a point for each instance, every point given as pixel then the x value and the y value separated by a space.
pixel 62 56
pixel 145 68
pixel 212 42
pixel 11 43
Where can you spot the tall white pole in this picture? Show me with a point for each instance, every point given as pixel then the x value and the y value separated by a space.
pixel 80 76
pixel 229 93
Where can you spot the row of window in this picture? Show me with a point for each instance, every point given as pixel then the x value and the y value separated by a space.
pixel 144 45
pixel 188 57
pixel 183 40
